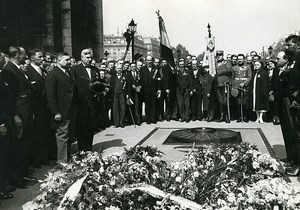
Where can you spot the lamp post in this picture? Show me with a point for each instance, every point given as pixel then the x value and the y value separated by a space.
pixel 106 54
pixel 178 55
pixel 132 29
pixel 270 50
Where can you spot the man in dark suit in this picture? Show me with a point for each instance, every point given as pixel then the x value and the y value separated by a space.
pixel 118 86
pixel 183 91
pixel 150 89
pixel 41 122
pixel 15 78
pixel 7 129
pixel 196 97
pixel 293 50
pixel 134 91
pixel 61 96
pixel 85 119
pixel 169 82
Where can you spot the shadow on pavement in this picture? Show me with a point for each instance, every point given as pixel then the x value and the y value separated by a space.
pixel 279 150
pixel 99 147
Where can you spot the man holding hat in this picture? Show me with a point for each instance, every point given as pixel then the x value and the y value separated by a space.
pixel 224 74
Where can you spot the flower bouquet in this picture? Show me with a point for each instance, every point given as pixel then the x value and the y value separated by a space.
pixel 217 176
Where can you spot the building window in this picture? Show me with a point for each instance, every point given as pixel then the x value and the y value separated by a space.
pixel 119 51
pixel 108 41
pixel 114 51
pixel 122 41
pixel 123 51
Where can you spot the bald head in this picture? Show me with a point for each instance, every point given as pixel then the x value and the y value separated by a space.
pixel 281 59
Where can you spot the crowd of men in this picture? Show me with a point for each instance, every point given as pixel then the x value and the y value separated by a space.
pixel 48 102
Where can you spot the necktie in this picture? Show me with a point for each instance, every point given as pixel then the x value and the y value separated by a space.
pixel 88 71
pixel 134 75
pixel 67 73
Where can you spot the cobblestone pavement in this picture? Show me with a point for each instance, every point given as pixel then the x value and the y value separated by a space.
pixel 113 140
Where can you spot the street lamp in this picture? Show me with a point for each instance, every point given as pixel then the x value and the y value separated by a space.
pixel 178 55
pixel 132 29
pixel 106 53
pixel 270 50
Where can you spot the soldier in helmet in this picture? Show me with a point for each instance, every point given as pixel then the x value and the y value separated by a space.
pixel 224 74
pixel 242 77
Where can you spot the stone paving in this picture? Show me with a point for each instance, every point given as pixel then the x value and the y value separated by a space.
pixel 113 140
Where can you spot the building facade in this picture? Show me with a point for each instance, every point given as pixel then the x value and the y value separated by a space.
pixel 116 47
pixel 52 26
pixel 153 46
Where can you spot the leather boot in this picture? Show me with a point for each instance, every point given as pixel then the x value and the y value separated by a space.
pixel 222 117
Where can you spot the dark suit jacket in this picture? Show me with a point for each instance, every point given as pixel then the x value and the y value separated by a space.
pixel 60 92
pixel 125 83
pixel 20 86
pixel 7 102
pixel 196 80
pixel 82 82
pixel 149 81
pixel 133 81
pixel 37 87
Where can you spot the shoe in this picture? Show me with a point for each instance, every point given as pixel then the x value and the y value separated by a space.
pixel 285 160
pixel 122 126
pixel 29 179
pixel 222 118
pixel 4 195
pixel 9 189
pixel 246 120
pixel 239 120
pixel 210 119
pixel 194 119
pixel 227 120
pixel 46 163
pixel 289 164
pixel 153 122
pixel 148 122
pixel 20 185
pixel 138 124
pixel 187 120
pixel 200 118
pixel 293 171
pixel 181 120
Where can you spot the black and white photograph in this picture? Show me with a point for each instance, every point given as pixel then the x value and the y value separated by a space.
pixel 149 104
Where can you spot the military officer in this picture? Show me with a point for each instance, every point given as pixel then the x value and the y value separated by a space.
pixel 224 75
pixel 241 81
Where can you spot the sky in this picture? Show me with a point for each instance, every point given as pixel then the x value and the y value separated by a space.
pixel 239 26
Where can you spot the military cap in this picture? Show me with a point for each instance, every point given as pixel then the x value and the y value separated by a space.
pixel 219 52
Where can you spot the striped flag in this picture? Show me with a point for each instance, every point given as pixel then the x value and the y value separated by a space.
pixel 165 47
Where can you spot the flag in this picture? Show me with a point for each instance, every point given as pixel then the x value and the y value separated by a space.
pixel 165 47
pixel 209 55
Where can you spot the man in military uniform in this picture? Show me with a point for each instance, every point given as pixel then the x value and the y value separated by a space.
pixel 183 91
pixel 224 75
pixel 242 77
